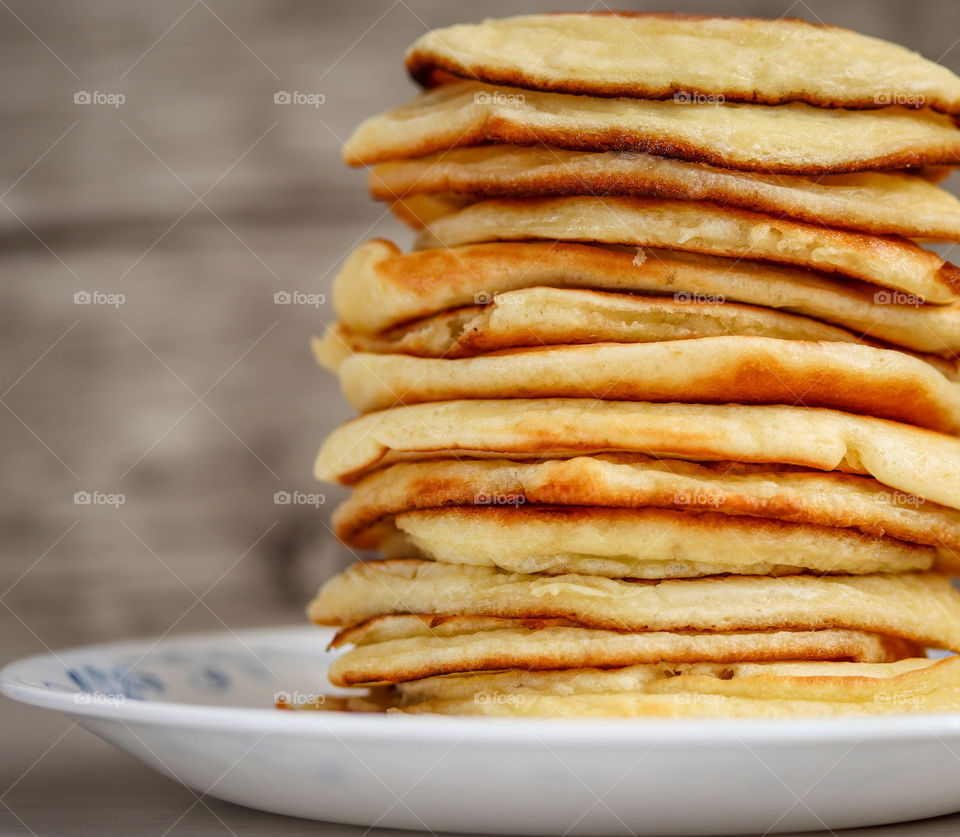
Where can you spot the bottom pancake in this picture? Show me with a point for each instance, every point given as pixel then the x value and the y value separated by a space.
pixel 701 690
pixel 394 649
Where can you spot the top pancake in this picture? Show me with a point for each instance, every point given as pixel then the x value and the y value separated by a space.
pixel 656 56
pixel 787 139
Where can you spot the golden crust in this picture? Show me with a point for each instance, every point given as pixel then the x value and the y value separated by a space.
pixel 645 543
pixel 829 499
pixel 705 690
pixel 704 227
pixel 502 644
pixel 880 203
pixel 554 316
pixel 380 288
pixel 920 607
pixel 709 370
pixel 786 139
pixel 908 459
pixel 658 55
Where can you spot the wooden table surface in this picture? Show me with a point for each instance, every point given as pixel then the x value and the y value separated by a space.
pixel 197 198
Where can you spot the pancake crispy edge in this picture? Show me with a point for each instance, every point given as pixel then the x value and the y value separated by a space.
pixel 660 55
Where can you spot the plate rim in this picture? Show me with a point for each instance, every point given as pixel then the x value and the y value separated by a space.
pixel 585 732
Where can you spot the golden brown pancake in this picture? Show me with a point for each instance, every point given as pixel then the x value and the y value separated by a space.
pixel 917 462
pixel 828 499
pixel 556 316
pixel 640 543
pixel 793 138
pixel 660 55
pixel 411 647
pixel 670 690
pixel 704 227
pixel 709 370
pixel 875 202
pixel 415 285
pixel 919 607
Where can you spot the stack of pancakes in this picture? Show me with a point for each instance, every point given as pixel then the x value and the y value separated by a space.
pixel 661 412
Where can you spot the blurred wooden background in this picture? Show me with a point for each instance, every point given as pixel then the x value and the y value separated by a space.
pixel 197 199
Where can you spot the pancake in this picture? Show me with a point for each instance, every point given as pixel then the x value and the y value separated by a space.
pixel 709 370
pixel 657 55
pixel 705 690
pixel 793 138
pixel 640 543
pixel 916 462
pixel 920 607
pixel 552 316
pixel 419 210
pixel 704 227
pixel 874 202
pixel 829 499
pixel 413 649
pixel 407 287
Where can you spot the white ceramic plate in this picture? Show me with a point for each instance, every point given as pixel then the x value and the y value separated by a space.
pixel 198 709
